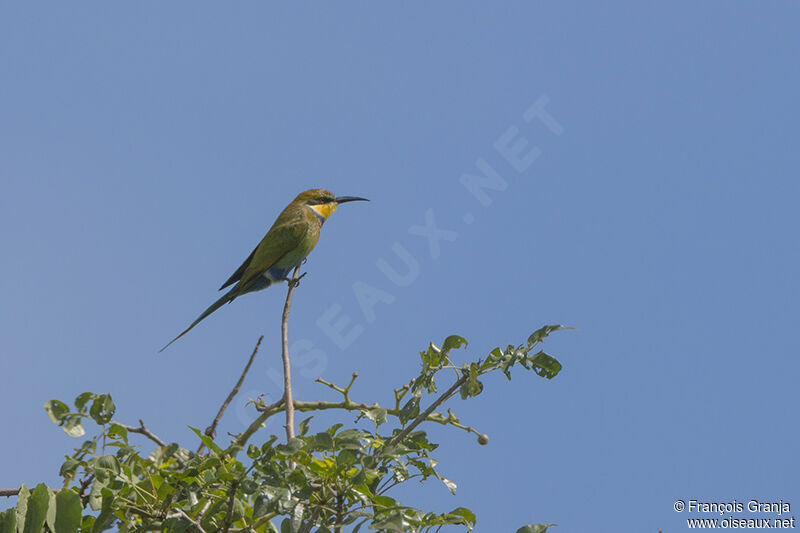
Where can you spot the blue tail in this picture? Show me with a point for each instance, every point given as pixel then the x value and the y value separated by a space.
pixel 227 297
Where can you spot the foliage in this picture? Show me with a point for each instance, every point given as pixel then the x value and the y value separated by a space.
pixel 321 481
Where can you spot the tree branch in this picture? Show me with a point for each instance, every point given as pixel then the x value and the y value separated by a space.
pixel 229 513
pixel 431 408
pixel 343 391
pixel 141 430
pixel 8 493
pixel 181 512
pixel 349 405
pixel 287 370
pixel 211 430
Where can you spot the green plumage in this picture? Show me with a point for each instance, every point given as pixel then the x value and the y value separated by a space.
pixel 287 243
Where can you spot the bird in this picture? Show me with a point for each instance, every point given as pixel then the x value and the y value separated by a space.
pixel 287 244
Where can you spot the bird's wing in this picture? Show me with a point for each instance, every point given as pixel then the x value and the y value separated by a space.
pixel 279 241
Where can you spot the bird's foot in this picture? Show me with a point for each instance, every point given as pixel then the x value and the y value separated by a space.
pixel 296 281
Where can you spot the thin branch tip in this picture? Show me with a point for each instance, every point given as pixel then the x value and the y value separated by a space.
pixel 141 430
pixel 211 431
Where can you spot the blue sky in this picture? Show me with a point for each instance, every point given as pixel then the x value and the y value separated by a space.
pixel 145 149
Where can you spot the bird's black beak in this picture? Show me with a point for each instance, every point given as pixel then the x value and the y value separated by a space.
pixel 344 199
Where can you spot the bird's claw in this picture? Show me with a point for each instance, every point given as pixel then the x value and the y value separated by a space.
pixel 296 281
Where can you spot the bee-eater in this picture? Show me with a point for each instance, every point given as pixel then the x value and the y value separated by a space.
pixel 287 243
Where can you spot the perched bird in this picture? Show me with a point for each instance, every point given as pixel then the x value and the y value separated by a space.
pixel 287 243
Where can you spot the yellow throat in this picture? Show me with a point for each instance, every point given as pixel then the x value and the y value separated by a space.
pixel 324 210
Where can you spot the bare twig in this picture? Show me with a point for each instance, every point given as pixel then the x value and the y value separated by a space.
pixel 399 393
pixel 343 391
pixel 85 482
pixel 287 371
pixel 7 493
pixel 266 412
pixel 211 430
pixel 142 430
pixel 196 524
pixel 202 512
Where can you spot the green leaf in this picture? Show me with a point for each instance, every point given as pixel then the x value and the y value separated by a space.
pixel 534 528
pixel 294 445
pixel 22 504
pixel 8 521
pixel 95 497
pixel 393 523
pixel 384 501
pixel 350 435
pixel 267 446
pixel 494 358
pixel 50 520
pixel 346 458
pixel 56 410
pixel 68 511
pixel 102 409
pixel 74 426
pixel 70 465
pixel 117 431
pixel 543 332
pixel 419 439
pixel 106 517
pixel 472 387
pixel 176 525
pixel 453 342
pixel 451 486
pixel 465 513
pixel 249 486
pixel 431 356
pixel 86 522
pixel 105 468
pixel 210 444
pixel 334 428
pixel 544 365
pixel 377 415
pixel 238 510
pixel 320 441
pixel 80 401
pixel 170 450
pixel 302 427
pixel 400 471
pixel 260 507
pixel 37 509
pixel 253 451
pixel 409 410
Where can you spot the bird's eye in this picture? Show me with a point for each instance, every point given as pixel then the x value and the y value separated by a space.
pixel 322 199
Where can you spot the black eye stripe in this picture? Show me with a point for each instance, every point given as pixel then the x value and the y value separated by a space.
pixel 320 200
